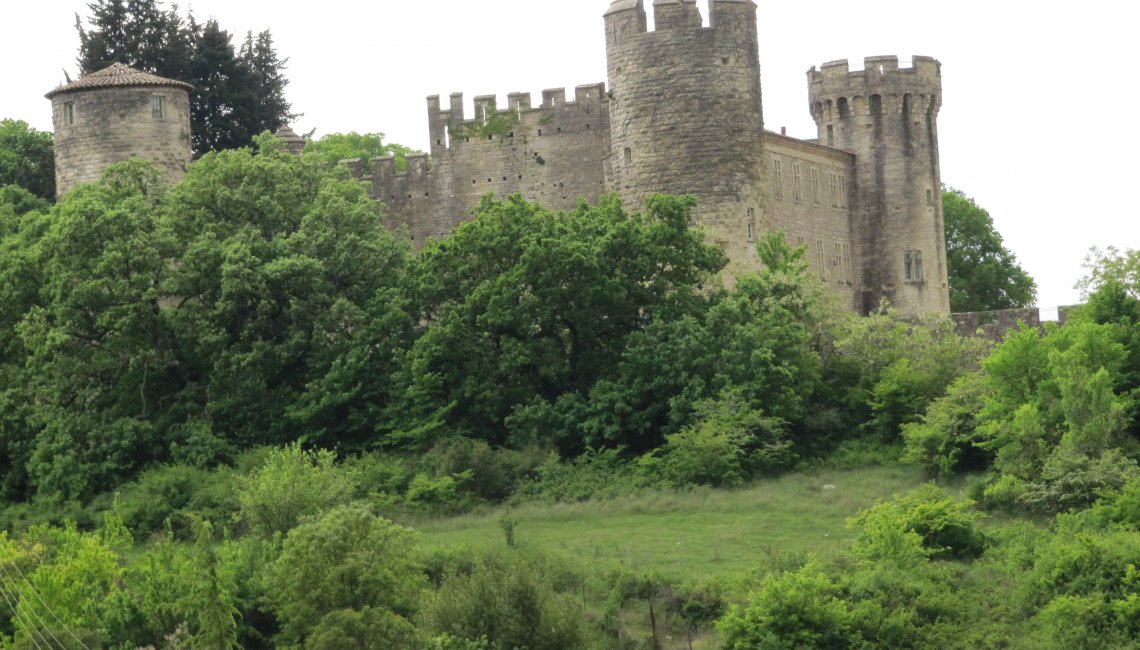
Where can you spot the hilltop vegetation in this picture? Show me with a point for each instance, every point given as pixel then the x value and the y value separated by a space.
pixel 224 404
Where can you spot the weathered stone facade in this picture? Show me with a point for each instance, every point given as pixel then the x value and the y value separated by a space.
pixel 117 114
pixel 683 115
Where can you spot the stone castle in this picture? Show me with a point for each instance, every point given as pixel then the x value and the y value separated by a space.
pixel 682 114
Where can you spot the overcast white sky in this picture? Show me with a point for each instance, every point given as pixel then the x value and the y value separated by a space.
pixel 1037 122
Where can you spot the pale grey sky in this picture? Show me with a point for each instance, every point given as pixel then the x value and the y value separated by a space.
pixel 1036 123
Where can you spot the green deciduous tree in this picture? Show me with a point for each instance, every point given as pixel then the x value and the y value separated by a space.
pixel 527 309
pixel 27 159
pixel 335 147
pixel 348 574
pixel 247 305
pixel 984 275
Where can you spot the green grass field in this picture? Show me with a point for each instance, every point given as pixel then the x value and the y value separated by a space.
pixel 693 534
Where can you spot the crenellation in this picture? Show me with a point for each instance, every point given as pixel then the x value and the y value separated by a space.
pixel 552 97
pixel 519 101
pixel 676 14
pixel 590 93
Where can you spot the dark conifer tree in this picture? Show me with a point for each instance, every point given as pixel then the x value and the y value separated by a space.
pixel 238 93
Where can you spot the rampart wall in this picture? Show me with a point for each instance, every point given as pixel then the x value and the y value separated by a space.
pixel 554 153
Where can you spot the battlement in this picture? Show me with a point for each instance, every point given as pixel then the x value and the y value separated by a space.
pixel 883 70
pixel 627 17
pixel 382 170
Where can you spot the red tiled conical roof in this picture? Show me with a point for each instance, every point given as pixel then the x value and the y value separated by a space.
pixel 118 75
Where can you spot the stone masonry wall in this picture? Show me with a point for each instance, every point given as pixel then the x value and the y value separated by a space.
pixel 554 153
pixel 808 200
pixel 113 125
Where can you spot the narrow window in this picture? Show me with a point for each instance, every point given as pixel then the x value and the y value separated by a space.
pixel 830 135
pixel 815 186
pixel 69 113
pixel 819 264
pixel 833 184
pixel 916 257
pixel 628 156
pixel 908 267
pixel 751 224
pixel 797 183
pixel 777 178
pixel 929 196
pixel 157 108
pixel 842 191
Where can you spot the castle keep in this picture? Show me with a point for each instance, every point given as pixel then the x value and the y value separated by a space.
pixel 683 115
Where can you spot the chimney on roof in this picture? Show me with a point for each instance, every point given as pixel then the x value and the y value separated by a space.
pixel 783 130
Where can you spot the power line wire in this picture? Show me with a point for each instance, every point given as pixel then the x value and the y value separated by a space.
pixel 13 604
pixel 35 593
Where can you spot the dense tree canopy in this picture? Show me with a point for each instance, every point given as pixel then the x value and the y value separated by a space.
pixel 238 93
pixel 26 159
pixel 148 324
pixel 984 274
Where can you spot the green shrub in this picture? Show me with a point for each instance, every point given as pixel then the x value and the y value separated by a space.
pixel 511 601
pixel 344 574
pixel 944 528
pixel 802 610
pixel 293 483
pixel 495 473
pixel 178 494
pixel 945 441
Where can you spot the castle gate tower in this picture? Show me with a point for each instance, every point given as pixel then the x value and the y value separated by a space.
pixel 117 114
pixel 685 114
pixel 887 117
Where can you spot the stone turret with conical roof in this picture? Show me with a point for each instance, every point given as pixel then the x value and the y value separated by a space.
pixel 116 114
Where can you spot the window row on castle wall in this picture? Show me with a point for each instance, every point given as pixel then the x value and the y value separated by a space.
pixel 157 111
pixel 837 184
pixel 832 262
pixel 873 105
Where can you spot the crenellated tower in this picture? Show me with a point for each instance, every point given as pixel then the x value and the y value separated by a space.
pixel 887 117
pixel 685 114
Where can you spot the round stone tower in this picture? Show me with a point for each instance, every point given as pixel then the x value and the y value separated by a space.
pixel 685 114
pixel 117 114
pixel 888 116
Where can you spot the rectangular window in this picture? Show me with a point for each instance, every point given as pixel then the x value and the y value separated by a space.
pixel 777 178
pixel 847 262
pixel 69 113
pixel 912 266
pixel 842 191
pixel 628 156
pixel 821 267
pixel 751 224
pixel 157 108
pixel 797 183
pixel 833 185
pixel 929 197
pixel 815 186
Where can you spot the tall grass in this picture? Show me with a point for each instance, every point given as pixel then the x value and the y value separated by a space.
pixel 696 534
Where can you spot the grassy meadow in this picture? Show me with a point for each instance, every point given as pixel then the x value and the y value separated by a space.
pixel 697 534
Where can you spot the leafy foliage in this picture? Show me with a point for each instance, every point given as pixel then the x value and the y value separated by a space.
pixel 984 275
pixel 346 575
pixel 335 147
pixel 27 159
